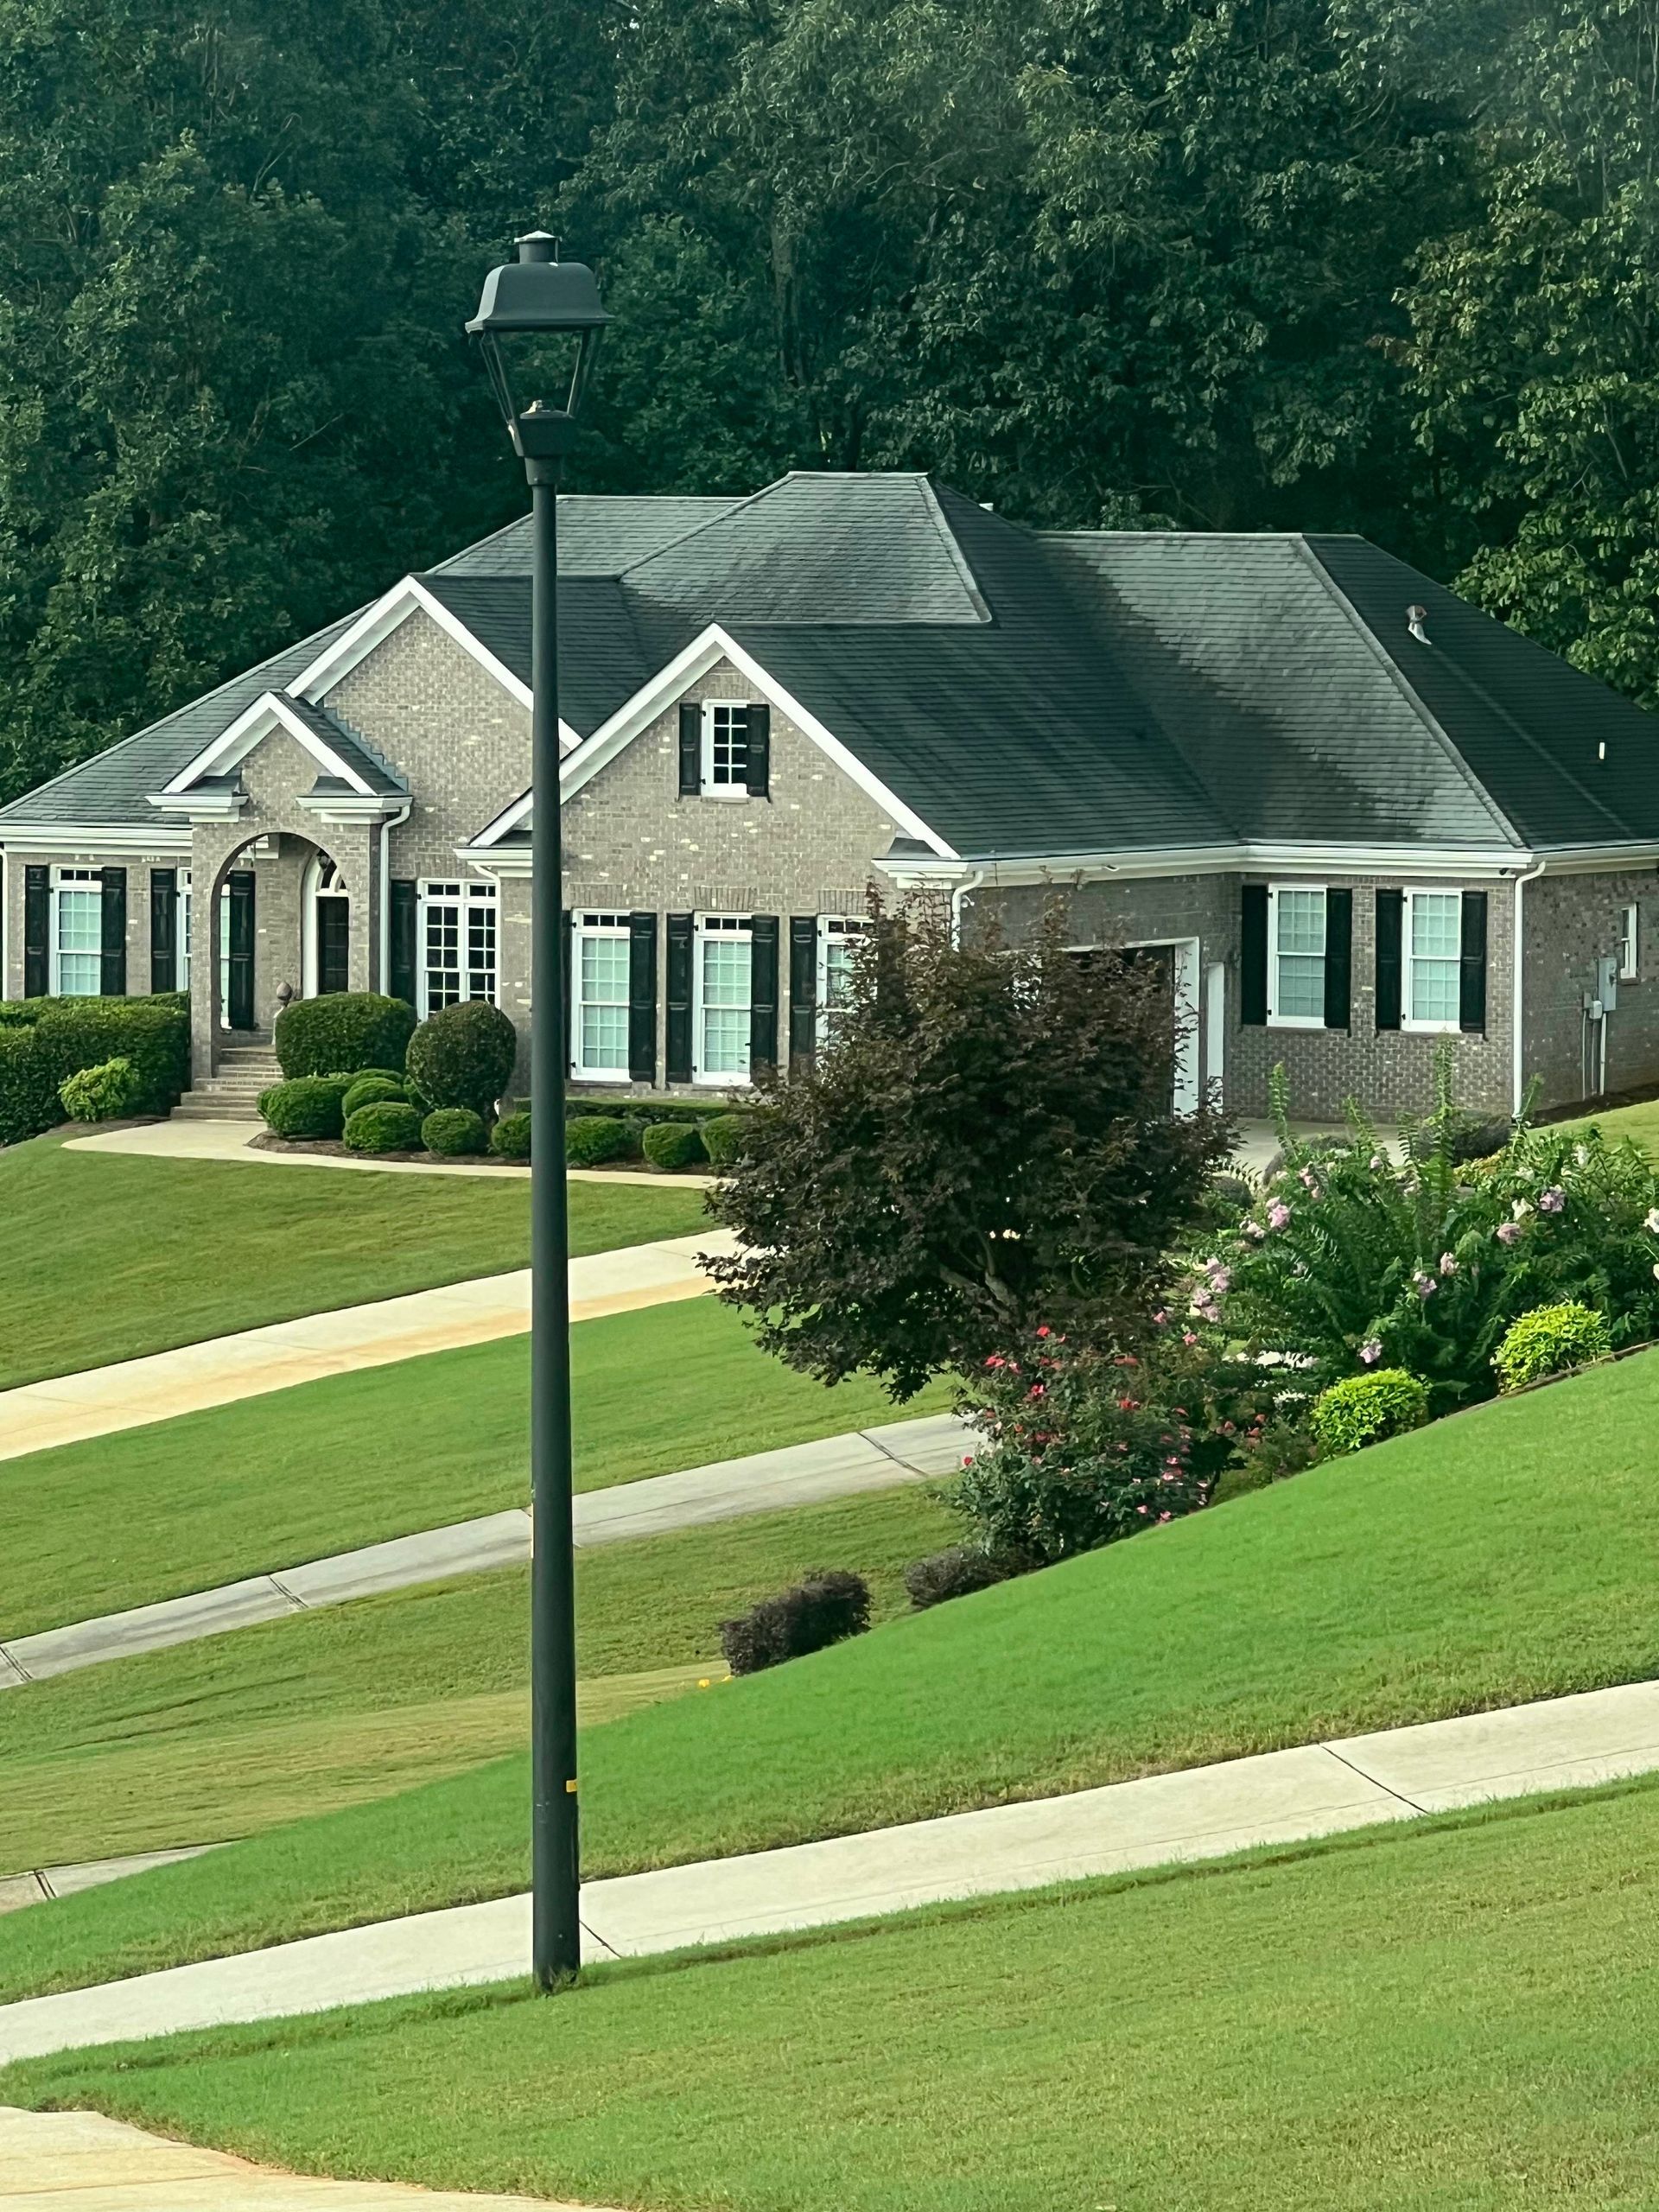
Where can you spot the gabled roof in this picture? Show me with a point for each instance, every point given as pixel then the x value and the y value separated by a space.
pixel 603 655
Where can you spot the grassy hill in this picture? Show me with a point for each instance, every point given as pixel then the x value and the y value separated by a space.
pixel 1509 1553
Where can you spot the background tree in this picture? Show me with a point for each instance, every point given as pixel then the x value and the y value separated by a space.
pixel 985 1148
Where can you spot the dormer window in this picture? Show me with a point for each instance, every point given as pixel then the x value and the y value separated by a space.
pixel 725 749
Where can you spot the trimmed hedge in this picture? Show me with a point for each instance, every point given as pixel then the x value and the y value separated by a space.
pixel 594 1139
pixel 671 1145
pixel 29 1097
pixel 387 1127
pixel 822 1608
pixel 722 1137
pixel 342 1031
pixel 464 1056
pixel 510 1138
pixel 645 1111
pixel 48 1040
pixel 370 1088
pixel 306 1106
pixel 100 1094
pixel 452 1132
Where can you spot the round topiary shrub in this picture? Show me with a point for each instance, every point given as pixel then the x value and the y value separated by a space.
pixel 100 1094
pixel 370 1088
pixel 454 1131
pixel 722 1137
pixel 384 1127
pixel 308 1106
pixel 1548 1341
pixel 510 1138
pixel 343 1029
pixel 594 1139
pixel 464 1056
pixel 669 1145
pixel 1364 1408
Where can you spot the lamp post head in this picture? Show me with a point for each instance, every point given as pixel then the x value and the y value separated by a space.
pixel 539 296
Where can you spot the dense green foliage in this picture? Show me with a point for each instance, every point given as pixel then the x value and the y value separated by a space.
pixel 343 1031
pixel 306 1105
pixel 389 1126
pixel 592 1139
pixel 100 1093
pixel 1240 265
pixel 463 1056
pixel 672 1144
pixel 510 1138
pixel 1363 1409
pixel 29 1097
pixel 369 1088
pixel 453 1131
pixel 60 1038
pixel 1548 1341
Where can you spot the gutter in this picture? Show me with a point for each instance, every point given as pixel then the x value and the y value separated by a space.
pixel 1518 992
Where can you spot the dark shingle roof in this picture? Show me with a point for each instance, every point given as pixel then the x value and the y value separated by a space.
pixel 376 770
pixel 599 535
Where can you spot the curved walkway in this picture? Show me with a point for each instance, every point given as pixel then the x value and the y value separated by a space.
pixel 1208 1812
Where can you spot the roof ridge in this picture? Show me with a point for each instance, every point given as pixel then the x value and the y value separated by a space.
pixel 713 522
pixel 953 546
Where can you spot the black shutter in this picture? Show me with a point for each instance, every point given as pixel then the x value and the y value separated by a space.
pixel 680 927
pixel 759 754
pixel 642 998
pixel 803 985
pixel 37 932
pixel 1253 956
pixel 690 748
pixel 1390 930
pixel 763 990
pixel 1338 956
pixel 112 969
pixel 404 946
pixel 566 1010
pixel 1472 967
pixel 163 929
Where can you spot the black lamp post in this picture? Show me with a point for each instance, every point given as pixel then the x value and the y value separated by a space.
pixel 550 306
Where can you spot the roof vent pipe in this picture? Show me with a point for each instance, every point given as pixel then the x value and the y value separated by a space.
pixel 1416 617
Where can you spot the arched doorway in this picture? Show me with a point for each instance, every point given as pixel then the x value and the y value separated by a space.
pixel 324 928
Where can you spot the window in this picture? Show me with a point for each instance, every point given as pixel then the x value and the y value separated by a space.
pixel 1629 943
pixel 837 948
pixel 600 1016
pixel 1296 967
pixel 725 749
pixel 722 1000
pixel 457 944
pixel 77 932
pixel 184 929
pixel 1434 949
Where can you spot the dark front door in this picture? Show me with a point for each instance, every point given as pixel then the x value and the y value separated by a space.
pixel 333 937
pixel 238 949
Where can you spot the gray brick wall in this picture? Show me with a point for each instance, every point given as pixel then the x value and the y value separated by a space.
pixel 1568 920
pixel 137 867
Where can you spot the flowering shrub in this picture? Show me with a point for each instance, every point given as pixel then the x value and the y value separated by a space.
pixel 1361 1262
pixel 1549 1340
pixel 1363 1409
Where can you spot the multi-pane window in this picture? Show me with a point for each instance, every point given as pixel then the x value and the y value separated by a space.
pixel 1434 945
pixel 1628 945
pixel 600 1014
pixel 837 948
pixel 184 929
pixel 722 1000
pixel 77 932
pixel 457 944
pixel 725 746
pixel 1296 970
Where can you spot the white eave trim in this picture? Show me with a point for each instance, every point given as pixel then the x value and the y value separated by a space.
pixel 271 710
pixel 1312 859
pixel 350 806
pixel 376 624
pixel 652 699
pixel 78 840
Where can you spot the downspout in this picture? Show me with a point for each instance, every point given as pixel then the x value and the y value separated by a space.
pixel 1518 993
pixel 969 884
pixel 392 822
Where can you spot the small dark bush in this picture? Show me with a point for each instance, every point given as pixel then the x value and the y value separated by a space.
pixel 29 1097
pixel 722 1137
pixel 100 1094
pixel 670 1145
pixel 306 1106
pixel 370 1088
pixel 152 1035
pixel 825 1608
pixel 1230 1198
pixel 343 1030
pixel 464 1056
pixel 510 1138
pixel 387 1127
pixel 454 1131
pixel 630 1107
pixel 1479 1137
pixel 956 1572
pixel 594 1139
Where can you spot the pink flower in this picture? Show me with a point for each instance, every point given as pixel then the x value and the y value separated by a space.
pixel 1448 1263
pixel 1253 1228
pixel 1278 1214
pixel 1423 1285
pixel 1509 1230
pixel 1552 1201
pixel 1187 1337
pixel 1043 1333
pixel 1371 1352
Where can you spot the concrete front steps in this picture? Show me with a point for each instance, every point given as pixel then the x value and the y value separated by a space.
pixel 232 1092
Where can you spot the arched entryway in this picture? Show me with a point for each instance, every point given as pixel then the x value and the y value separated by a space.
pixel 325 927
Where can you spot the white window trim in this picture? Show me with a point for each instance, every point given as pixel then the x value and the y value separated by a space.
pixel 435 891
pixel 850 929
pixel 1409 1025
pixel 1630 942
pixel 1275 1020
pixel 76 879
pixel 183 916
pixel 583 925
pixel 706 782
pixel 730 929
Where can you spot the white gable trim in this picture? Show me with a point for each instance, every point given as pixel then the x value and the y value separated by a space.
pixel 652 699
pixel 376 624
pixel 272 711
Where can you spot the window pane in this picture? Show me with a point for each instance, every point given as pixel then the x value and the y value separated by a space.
pixel 1436 942
pixel 480 951
pixel 1301 921
pixel 604 1036
pixel 602 986
pixel 1301 985
pixel 728 745
pixel 604 967
pixel 725 1040
pixel 725 975
pixel 81 939
pixel 1299 948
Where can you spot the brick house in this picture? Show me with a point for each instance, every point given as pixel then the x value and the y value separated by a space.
pixel 1348 813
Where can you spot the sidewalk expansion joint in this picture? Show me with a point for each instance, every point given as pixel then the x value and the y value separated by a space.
pixel 11 1665
pixel 282 1591
pixel 1398 1795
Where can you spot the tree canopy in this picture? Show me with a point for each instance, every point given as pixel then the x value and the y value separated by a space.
pixel 1241 264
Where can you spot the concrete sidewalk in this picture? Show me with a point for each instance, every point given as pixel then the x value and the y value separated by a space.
pixel 1204 1813
pixel 101 1400
pixel 82 2161
pixel 799 1474
pixel 39 1884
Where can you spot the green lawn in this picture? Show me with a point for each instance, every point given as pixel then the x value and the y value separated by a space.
pixel 1639 1123
pixel 109 1256
pixel 232 1735
pixel 1455 2017
pixel 1507 1553
pixel 293 1475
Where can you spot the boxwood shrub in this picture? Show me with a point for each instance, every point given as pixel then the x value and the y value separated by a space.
pixel 370 1087
pixel 722 1137
pixel 454 1131
pixel 956 1572
pixel 100 1094
pixel 464 1056
pixel 595 1137
pixel 510 1138
pixel 29 1097
pixel 1549 1340
pixel 1364 1408
pixel 306 1106
pixel 387 1126
pixel 824 1608
pixel 671 1145
pixel 343 1030
pixel 151 1033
